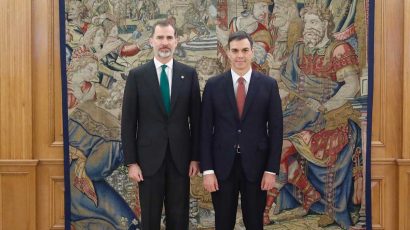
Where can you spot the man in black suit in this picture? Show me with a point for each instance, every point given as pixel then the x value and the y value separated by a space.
pixel 160 131
pixel 241 137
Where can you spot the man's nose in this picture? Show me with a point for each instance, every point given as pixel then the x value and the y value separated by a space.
pixel 164 42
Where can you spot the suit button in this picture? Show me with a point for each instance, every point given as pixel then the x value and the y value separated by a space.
pixel 239 131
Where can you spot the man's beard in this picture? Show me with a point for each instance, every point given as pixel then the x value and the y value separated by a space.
pixel 165 54
pixel 312 37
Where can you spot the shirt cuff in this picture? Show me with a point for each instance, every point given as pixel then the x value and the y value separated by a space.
pixel 268 172
pixel 208 172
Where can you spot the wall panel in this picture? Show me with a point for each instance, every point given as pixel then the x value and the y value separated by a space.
pixel 406 82
pixel 18 194
pixel 404 163
pixel 48 130
pixel 16 81
pixel 50 205
pixel 404 194
pixel 387 138
pixel 378 191
pixel 384 194
pixel 388 68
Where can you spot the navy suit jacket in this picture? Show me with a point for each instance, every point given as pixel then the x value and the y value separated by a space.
pixel 146 128
pixel 258 133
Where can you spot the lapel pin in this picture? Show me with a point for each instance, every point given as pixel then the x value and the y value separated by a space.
pixel 182 77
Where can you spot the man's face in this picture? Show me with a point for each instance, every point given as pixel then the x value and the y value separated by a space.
pixel 73 10
pixel 283 12
pixel 240 55
pixel 260 11
pixel 314 30
pixel 259 53
pixel 163 42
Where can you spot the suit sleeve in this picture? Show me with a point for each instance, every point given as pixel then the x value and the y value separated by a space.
pixel 129 120
pixel 275 129
pixel 207 126
pixel 195 116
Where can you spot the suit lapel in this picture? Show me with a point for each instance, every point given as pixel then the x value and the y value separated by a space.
pixel 231 93
pixel 153 83
pixel 252 90
pixel 177 79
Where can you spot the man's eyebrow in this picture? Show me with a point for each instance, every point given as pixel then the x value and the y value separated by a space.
pixel 237 50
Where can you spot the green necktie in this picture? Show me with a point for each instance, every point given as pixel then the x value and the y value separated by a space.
pixel 164 85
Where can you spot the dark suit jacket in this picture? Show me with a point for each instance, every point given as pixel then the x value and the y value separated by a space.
pixel 146 129
pixel 258 133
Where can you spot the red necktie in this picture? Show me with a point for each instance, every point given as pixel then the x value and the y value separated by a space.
pixel 240 95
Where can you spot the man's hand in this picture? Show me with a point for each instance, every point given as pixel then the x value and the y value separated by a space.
pixel 135 173
pixel 268 180
pixel 211 183
pixel 193 168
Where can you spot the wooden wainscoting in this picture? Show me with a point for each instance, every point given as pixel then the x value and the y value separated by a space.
pixel 387 113
pixel 404 194
pixel 47 126
pixel 18 190
pixel 384 194
pixel 404 163
pixel 50 198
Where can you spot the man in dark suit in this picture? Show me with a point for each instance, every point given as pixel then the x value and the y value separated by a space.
pixel 160 131
pixel 241 137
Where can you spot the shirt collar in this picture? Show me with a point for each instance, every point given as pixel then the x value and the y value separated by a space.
pixel 247 76
pixel 158 64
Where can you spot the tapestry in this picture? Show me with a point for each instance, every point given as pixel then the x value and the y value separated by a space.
pixel 319 51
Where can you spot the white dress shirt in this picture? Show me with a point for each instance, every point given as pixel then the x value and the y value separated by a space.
pixel 168 70
pixel 246 76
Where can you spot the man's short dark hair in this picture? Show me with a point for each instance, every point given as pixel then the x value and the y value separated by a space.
pixel 240 35
pixel 163 23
